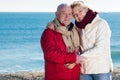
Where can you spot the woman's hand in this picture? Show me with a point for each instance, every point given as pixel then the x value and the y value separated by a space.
pixel 50 25
pixel 70 65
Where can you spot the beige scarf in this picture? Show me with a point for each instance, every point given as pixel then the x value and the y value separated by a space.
pixel 70 38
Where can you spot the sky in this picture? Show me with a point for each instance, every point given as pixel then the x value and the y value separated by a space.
pixel 51 5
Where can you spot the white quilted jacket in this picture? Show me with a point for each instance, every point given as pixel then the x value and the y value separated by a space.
pixel 95 43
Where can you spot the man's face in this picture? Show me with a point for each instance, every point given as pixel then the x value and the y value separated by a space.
pixel 79 13
pixel 65 15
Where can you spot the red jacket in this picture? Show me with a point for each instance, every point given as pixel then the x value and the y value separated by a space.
pixel 55 56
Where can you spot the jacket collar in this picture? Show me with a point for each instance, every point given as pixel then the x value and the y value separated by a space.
pixel 97 18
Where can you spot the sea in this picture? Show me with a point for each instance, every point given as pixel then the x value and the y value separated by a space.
pixel 20 34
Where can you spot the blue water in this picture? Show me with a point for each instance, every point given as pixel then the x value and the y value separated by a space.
pixel 20 35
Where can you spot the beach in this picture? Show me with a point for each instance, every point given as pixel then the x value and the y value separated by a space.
pixel 40 75
pixel 116 74
pixel 20 48
pixel 22 76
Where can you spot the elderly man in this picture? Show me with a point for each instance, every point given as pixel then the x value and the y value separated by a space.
pixel 60 47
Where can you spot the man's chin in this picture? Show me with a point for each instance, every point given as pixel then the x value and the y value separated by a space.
pixel 66 24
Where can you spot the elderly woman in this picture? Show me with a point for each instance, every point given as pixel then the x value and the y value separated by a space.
pixel 95 42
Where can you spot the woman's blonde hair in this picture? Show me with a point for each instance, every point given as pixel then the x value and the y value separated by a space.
pixel 78 3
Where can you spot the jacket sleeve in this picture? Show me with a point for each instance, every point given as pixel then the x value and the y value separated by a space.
pixel 51 50
pixel 102 43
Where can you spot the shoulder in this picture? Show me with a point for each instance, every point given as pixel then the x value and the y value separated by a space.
pixel 103 26
pixel 100 21
pixel 48 33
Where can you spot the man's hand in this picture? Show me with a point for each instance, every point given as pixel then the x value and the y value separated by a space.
pixel 80 59
pixel 50 25
pixel 70 65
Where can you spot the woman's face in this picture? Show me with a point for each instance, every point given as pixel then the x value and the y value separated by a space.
pixel 79 13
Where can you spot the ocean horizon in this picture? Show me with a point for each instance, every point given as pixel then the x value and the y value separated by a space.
pixel 20 34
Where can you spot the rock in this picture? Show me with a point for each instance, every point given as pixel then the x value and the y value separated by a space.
pixel 40 75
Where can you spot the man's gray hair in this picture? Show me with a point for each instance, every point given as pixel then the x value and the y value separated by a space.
pixel 61 6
